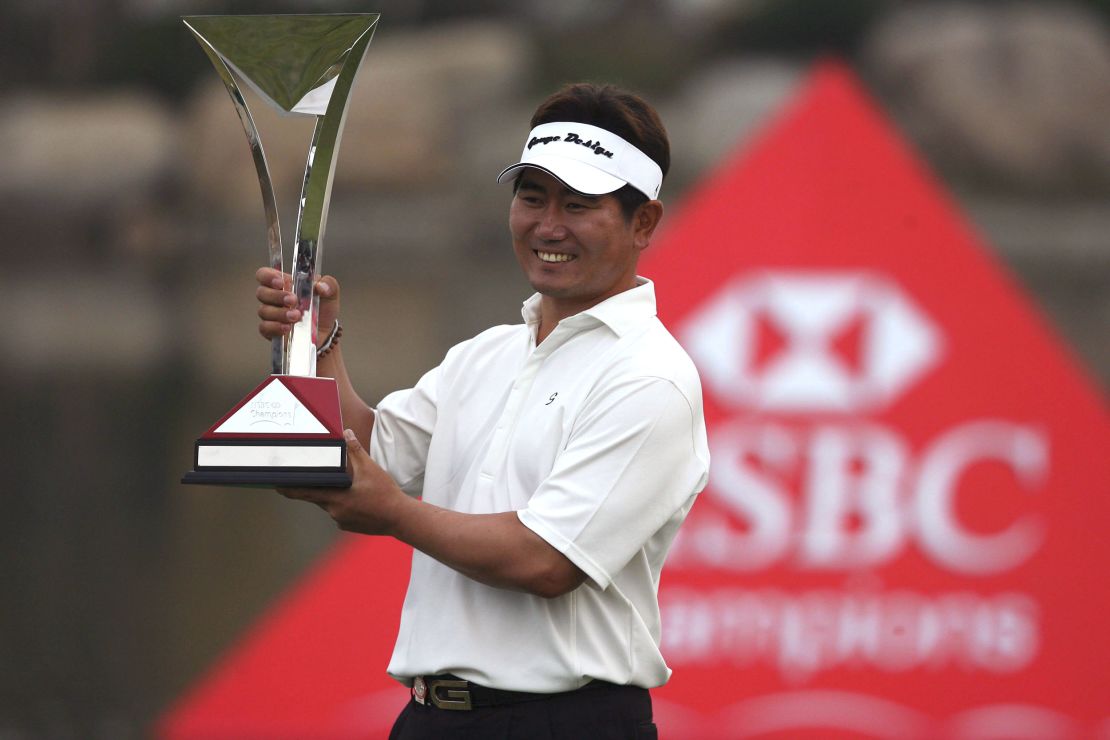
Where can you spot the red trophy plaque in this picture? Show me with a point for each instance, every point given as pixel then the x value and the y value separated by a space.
pixel 288 431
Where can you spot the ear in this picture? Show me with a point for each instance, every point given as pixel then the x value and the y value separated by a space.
pixel 644 220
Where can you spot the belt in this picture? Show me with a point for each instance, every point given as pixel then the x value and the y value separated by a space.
pixel 446 691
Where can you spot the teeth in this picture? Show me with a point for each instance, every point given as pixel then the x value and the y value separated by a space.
pixel 552 257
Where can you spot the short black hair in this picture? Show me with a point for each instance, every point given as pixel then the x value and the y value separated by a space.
pixel 614 109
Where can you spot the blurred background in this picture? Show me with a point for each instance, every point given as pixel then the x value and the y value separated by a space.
pixel 134 226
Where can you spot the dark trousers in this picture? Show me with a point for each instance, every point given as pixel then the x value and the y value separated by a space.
pixel 608 712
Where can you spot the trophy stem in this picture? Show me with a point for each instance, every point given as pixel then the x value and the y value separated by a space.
pixel 278 346
pixel 307 257
pixel 312 214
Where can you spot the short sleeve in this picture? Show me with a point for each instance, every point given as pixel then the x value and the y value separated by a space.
pixel 635 457
pixel 403 426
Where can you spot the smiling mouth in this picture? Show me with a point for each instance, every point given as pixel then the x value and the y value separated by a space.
pixel 553 256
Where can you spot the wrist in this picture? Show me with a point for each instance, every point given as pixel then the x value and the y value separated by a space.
pixel 332 340
pixel 400 515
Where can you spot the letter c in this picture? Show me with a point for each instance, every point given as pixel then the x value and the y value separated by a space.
pixel 941 535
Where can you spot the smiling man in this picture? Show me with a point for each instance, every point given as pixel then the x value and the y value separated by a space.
pixel 542 470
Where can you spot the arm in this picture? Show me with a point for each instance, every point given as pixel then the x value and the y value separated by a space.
pixel 494 549
pixel 630 471
pixel 277 318
pixel 357 414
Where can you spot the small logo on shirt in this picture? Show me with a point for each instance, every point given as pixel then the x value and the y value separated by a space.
pixel 551 399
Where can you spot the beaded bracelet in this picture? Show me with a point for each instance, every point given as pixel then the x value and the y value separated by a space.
pixel 332 340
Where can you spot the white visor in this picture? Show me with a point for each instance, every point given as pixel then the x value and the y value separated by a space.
pixel 588 159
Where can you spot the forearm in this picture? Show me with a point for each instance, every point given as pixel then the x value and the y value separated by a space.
pixel 494 549
pixel 357 414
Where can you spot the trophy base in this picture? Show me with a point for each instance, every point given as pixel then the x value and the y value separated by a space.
pixel 267 479
pixel 287 432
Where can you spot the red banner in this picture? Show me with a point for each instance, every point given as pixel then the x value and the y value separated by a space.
pixel 901 535
pixel 314 667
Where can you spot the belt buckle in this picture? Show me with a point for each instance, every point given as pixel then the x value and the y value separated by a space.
pixel 457 697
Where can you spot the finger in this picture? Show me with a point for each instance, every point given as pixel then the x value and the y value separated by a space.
pixel 327 287
pixel 273 278
pixel 319 496
pixel 354 447
pixel 357 457
pixel 271 329
pixel 293 493
pixel 275 297
pixel 269 276
pixel 279 314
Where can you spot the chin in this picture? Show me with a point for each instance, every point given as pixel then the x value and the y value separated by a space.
pixel 543 282
pixel 544 287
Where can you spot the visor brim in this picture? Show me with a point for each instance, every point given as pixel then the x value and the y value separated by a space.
pixel 578 176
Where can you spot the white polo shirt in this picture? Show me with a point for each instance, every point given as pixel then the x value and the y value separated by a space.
pixel 596 439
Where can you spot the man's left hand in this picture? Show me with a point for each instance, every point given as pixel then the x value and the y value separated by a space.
pixel 369 506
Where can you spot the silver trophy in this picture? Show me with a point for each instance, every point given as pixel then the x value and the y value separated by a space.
pixel 290 433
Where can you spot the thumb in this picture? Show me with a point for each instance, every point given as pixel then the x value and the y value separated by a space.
pixel 327 287
pixel 356 454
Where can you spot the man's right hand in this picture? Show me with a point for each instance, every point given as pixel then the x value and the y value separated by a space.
pixel 278 311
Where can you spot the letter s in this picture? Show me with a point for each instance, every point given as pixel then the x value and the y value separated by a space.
pixel 752 495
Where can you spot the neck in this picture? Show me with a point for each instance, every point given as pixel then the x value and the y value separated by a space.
pixel 551 313
pixel 553 310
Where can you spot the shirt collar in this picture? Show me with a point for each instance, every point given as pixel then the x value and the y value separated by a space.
pixel 620 313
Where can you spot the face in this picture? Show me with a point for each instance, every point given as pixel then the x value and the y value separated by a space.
pixel 576 250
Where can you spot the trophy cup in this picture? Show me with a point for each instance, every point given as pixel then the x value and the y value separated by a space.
pixel 288 431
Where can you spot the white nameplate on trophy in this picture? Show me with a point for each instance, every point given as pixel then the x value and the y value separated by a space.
pixel 268 456
pixel 274 410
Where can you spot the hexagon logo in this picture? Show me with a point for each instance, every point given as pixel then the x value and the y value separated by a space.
pixel 811 341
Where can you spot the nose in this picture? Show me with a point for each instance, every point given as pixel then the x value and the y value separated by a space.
pixel 550 227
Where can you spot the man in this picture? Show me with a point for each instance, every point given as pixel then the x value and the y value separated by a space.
pixel 548 465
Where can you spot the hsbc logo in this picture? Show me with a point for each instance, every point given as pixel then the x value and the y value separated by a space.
pixel 820 494
pixel 808 341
